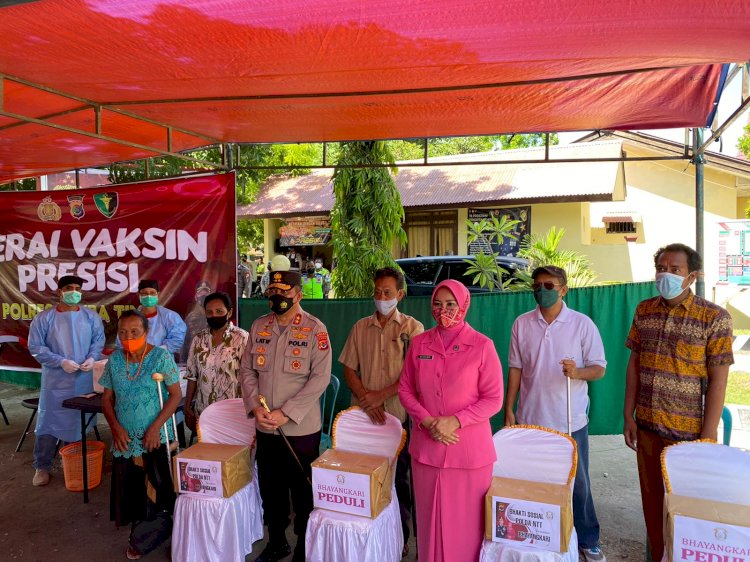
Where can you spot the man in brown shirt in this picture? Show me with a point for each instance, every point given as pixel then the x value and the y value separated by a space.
pixel 288 360
pixel 680 353
pixel 372 357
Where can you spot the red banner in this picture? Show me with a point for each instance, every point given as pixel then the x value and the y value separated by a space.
pixel 180 232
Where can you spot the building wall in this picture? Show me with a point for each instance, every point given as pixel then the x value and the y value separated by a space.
pixel 662 194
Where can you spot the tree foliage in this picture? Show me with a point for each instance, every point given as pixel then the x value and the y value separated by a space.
pixel 249 181
pixel 366 218
pixel 28 184
pixel 448 146
pixel 743 144
pixel 545 249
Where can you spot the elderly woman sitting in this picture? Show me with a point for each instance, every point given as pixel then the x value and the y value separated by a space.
pixel 142 492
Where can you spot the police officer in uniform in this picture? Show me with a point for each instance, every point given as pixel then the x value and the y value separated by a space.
pixel 287 360
pixel 315 285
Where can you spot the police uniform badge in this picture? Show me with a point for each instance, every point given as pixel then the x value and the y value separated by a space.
pixel 76 206
pixel 296 365
pixel 260 360
pixel 322 340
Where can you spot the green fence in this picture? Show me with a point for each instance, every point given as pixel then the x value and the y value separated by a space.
pixel 611 307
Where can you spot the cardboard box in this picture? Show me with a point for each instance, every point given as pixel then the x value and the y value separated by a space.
pixel 703 530
pixel 212 470
pixel 534 514
pixel 352 483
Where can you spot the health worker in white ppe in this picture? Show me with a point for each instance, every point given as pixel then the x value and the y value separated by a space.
pixel 65 340
pixel 165 327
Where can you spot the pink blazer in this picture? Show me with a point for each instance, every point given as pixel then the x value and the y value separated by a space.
pixel 465 381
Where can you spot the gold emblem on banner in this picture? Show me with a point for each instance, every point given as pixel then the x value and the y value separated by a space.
pixel 48 210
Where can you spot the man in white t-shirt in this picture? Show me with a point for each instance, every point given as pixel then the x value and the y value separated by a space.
pixel 548 344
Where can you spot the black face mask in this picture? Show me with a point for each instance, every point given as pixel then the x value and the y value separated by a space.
pixel 216 322
pixel 311 271
pixel 280 304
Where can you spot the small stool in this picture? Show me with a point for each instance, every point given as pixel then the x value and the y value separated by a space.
pixel 2 411
pixel 33 405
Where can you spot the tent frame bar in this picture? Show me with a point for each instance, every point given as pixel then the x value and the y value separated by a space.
pixel 395 92
pixel 88 105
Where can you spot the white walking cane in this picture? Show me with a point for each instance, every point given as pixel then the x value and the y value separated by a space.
pixel 567 382
pixel 567 379
pixel 158 377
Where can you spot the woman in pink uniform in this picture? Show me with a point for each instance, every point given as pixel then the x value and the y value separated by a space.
pixel 451 384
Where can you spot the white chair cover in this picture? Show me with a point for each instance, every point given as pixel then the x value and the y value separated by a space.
pixel 708 471
pixel 539 455
pixel 353 431
pixel 340 537
pixel 226 421
pixel 217 529
pixel 220 529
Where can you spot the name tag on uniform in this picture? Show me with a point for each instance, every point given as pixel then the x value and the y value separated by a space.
pixel 425 357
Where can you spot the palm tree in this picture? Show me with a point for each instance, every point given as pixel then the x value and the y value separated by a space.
pixel 543 250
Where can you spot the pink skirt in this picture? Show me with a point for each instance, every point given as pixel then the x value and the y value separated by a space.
pixel 450 511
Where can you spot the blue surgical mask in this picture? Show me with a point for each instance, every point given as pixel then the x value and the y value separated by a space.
pixel 546 298
pixel 71 297
pixel 669 285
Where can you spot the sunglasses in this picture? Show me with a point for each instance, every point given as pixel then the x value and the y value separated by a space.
pixel 549 285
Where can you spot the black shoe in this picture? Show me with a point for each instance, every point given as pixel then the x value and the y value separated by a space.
pixel 274 552
pixel 299 550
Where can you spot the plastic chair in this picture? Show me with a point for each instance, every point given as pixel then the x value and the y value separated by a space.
pixel 340 537
pixel 539 455
pixel 707 471
pixel 220 529
pixel 726 419
pixel 325 436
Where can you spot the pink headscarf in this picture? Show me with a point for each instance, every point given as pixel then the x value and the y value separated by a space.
pixel 448 321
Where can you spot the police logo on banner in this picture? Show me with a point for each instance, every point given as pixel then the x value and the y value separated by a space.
pixel 76 206
pixel 107 203
pixel 48 210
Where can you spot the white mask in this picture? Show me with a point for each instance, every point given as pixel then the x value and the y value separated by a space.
pixel 318 265
pixel 385 307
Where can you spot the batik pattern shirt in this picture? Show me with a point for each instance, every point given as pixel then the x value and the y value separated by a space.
pixel 216 369
pixel 676 346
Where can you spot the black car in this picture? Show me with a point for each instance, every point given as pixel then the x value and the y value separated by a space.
pixel 423 273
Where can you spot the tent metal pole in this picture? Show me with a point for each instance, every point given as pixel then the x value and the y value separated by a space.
pixel 698 160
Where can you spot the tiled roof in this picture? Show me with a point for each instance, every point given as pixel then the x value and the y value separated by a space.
pixel 467 182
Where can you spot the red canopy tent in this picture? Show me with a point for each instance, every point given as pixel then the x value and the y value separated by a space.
pixel 89 82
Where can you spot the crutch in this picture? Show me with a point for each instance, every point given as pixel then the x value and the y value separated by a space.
pixel 158 377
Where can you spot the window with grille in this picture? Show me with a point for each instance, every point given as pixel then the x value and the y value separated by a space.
pixel 621 228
